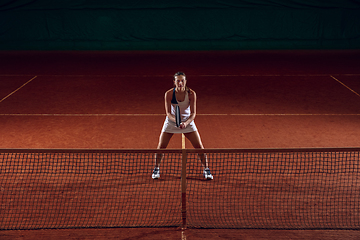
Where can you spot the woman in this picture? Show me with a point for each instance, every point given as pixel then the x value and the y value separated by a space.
pixel 185 98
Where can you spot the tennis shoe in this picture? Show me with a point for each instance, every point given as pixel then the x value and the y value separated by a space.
pixel 156 173
pixel 207 174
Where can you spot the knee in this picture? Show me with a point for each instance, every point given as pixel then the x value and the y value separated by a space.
pixel 198 146
pixel 161 146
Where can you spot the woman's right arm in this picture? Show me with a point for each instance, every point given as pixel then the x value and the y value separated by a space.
pixel 168 97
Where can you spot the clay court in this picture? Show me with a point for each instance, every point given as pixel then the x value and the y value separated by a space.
pixel 246 99
pixel 114 101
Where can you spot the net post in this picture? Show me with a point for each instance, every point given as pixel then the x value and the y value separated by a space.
pixel 183 188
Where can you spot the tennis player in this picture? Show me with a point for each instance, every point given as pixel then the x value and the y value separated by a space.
pixel 185 98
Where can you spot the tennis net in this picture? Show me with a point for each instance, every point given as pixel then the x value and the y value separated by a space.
pixel 252 188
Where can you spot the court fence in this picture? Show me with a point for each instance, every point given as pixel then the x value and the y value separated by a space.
pixel 252 188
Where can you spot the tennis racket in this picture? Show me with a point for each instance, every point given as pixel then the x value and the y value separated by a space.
pixel 177 116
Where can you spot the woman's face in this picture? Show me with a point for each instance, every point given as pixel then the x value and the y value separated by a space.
pixel 180 81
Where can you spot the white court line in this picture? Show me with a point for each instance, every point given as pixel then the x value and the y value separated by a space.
pixel 296 114
pixel 80 114
pixel 344 85
pixel 17 89
pixel 149 115
pixel 183 142
pixel 195 75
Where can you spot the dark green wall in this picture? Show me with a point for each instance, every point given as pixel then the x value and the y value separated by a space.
pixel 179 25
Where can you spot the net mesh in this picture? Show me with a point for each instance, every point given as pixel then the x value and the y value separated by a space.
pixel 277 189
pixel 88 189
pixel 263 188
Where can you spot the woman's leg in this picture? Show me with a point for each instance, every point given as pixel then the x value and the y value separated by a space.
pixel 164 140
pixel 194 138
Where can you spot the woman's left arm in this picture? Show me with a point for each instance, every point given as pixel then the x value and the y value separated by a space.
pixel 192 99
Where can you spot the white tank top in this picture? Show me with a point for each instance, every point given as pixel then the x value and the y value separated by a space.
pixel 184 106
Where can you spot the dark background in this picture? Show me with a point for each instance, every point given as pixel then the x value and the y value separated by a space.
pixel 179 25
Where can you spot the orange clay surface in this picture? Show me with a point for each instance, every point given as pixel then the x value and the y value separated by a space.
pixel 246 99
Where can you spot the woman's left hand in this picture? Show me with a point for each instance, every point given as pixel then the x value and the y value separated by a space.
pixel 182 125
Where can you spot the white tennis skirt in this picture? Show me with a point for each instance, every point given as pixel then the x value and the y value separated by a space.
pixel 170 127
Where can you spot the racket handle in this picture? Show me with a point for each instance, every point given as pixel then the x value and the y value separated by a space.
pixel 177 116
